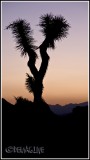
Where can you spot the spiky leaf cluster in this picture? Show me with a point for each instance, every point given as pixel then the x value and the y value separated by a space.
pixel 33 85
pixel 30 83
pixel 23 35
pixel 53 28
pixel 21 99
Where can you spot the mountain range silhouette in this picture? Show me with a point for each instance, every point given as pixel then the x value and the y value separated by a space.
pixel 57 109
pixel 26 123
pixel 66 109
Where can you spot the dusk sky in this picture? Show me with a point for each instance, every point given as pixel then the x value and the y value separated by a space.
pixel 66 80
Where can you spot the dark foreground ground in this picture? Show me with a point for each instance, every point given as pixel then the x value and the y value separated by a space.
pixel 42 133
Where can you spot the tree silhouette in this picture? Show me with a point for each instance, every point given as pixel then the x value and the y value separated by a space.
pixel 53 28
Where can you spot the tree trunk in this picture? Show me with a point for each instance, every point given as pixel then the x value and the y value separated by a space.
pixel 39 75
pixel 38 91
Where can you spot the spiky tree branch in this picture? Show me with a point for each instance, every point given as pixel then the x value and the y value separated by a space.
pixel 53 28
pixel 23 36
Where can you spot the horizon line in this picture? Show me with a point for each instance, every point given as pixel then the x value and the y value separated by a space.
pixel 50 104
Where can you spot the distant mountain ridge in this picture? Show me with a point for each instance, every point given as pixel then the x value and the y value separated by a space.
pixel 66 109
pixel 57 109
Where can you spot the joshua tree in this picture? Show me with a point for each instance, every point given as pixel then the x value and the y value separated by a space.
pixel 53 28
